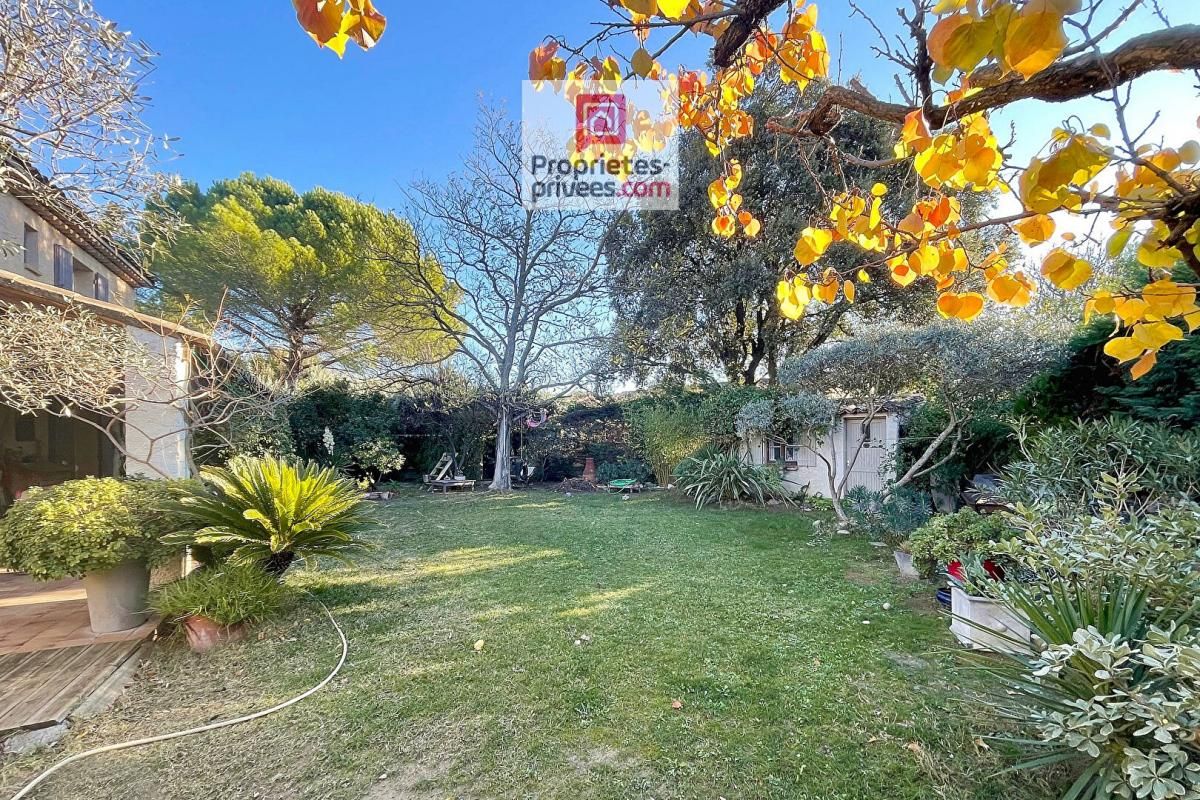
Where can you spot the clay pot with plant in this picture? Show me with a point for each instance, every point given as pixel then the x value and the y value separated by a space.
pixel 215 605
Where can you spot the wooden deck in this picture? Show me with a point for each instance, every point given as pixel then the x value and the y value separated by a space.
pixel 41 688
pixel 50 660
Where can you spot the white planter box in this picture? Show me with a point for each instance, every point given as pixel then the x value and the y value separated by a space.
pixel 905 562
pixel 978 620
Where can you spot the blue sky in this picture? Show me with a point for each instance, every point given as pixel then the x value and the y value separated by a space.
pixel 248 90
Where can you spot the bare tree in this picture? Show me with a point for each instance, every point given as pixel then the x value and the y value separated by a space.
pixel 527 307
pixel 72 137
pixel 146 392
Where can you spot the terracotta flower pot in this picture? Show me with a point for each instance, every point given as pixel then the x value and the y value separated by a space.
pixel 203 634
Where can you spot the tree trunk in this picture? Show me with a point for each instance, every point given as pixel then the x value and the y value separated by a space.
pixel 277 563
pixel 502 477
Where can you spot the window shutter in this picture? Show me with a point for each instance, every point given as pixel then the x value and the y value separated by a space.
pixel 64 269
pixel 102 292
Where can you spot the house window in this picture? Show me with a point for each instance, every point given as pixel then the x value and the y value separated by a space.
pixel 794 454
pixel 30 243
pixel 62 441
pixel 64 268
pixel 102 290
pixel 82 278
pixel 25 428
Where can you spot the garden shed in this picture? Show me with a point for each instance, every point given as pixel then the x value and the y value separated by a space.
pixel 863 445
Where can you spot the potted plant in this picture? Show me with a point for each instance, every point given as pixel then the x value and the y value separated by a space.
pixel 980 619
pixel 215 604
pixel 103 530
pixel 948 537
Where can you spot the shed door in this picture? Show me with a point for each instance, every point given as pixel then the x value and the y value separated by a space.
pixel 869 464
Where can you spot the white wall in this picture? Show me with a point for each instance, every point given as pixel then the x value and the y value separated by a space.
pixel 14 216
pixel 156 435
pixel 873 468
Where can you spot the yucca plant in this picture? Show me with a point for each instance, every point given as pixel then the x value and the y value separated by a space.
pixel 727 478
pixel 271 511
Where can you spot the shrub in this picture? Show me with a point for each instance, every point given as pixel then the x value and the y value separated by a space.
pixel 1064 468
pixel 271 511
pixel 666 435
pixel 1112 680
pixel 226 595
pixel 87 525
pixel 950 537
pixel 726 478
pixel 891 519
pixel 363 429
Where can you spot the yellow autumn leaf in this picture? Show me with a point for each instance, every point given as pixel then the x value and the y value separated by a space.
pixel 826 291
pixel 1143 365
pixel 961 41
pixel 642 62
pixel 1010 290
pixel 1065 270
pixel 1034 40
pixel 1036 229
pixel 673 9
pixel 1116 243
pixel 724 225
pixel 1154 252
pixel 647 8
pixel 812 244
pixel 718 193
pixel 1153 335
pixel 750 225
pixel 848 290
pixel 966 306
pixel 1123 348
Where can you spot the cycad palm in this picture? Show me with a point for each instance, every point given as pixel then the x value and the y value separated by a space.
pixel 271 511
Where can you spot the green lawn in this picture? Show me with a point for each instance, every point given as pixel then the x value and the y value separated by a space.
pixel 596 614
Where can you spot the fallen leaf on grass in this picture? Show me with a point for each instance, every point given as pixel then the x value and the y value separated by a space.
pixel 478 645
pixel 676 704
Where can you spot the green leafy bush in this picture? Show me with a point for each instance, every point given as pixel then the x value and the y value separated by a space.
pixel 270 511
pixel 226 595
pixel 666 435
pixel 726 478
pixel 949 537
pixel 364 430
pixel 891 519
pixel 87 525
pixel 1111 683
pixel 1062 469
